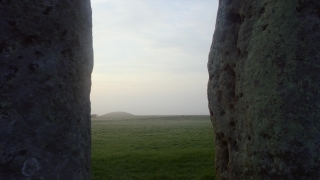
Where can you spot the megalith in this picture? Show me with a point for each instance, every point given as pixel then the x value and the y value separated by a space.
pixel 45 80
pixel 264 89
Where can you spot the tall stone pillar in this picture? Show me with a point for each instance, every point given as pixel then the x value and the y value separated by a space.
pixel 264 89
pixel 46 60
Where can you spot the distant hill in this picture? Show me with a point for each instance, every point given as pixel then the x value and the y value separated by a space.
pixel 117 114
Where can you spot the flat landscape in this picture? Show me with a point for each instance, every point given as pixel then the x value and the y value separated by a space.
pixel 152 148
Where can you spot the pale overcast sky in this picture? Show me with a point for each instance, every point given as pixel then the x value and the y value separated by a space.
pixel 150 56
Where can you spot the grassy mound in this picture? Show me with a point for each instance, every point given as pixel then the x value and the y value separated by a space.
pixel 117 114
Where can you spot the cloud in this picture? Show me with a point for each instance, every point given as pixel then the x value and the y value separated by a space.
pixel 151 52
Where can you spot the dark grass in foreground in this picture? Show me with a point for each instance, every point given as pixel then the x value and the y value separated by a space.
pixel 152 148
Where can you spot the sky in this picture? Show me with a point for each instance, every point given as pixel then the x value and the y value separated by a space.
pixel 150 56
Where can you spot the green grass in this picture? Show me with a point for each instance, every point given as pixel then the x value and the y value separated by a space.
pixel 152 148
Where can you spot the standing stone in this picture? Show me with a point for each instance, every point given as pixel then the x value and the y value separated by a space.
pixel 45 68
pixel 264 89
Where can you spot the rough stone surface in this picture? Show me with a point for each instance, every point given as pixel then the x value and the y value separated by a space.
pixel 264 89
pixel 45 80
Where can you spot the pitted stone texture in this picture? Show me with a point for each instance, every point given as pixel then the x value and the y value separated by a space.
pixel 45 79
pixel 264 89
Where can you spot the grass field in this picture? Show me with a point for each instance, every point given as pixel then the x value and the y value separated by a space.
pixel 152 148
